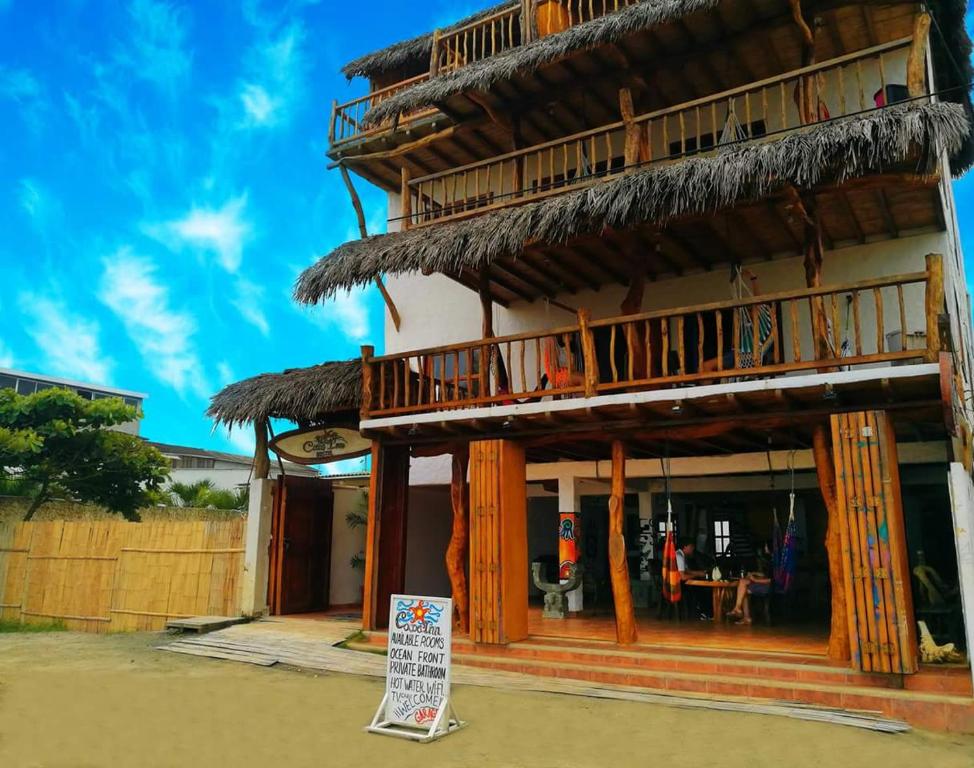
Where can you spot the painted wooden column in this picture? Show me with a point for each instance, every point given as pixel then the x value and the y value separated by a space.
pixel 385 543
pixel 498 543
pixel 618 565
pixel 879 595
pixel 569 506
pixel 256 570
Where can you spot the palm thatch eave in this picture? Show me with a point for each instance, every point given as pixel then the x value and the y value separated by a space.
pixel 839 150
pixel 315 395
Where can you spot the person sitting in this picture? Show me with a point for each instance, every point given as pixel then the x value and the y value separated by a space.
pixel 755 583
pixel 685 563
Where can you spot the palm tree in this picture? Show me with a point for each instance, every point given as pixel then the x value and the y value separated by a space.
pixel 192 494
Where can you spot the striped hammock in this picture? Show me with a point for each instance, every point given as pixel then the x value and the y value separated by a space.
pixel 672 583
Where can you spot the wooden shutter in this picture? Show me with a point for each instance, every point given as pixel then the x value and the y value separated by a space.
pixel 882 629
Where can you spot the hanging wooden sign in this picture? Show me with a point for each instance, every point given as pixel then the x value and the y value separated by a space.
pixel 417 704
pixel 321 445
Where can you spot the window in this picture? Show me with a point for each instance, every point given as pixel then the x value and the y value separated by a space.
pixel 721 536
pixel 26 387
pixel 8 382
pixel 86 394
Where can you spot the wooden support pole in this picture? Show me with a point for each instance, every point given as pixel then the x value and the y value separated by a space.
pixel 456 552
pixel 368 393
pixel 262 460
pixel 364 233
pixel 406 210
pixel 916 64
pixel 590 359
pixel 634 151
pixel 618 565
pixel 825 466
pixel 934 305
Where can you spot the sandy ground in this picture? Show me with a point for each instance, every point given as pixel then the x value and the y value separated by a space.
pixel 81 701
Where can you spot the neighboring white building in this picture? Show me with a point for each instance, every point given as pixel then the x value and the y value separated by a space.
pixel 29 383
pixel 227 471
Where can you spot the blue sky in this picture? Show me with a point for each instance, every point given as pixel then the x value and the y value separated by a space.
pixel 163 181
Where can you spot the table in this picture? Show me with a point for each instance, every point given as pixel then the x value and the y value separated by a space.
pixel 720 590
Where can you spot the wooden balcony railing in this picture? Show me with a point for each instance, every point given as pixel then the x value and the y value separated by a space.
pixel 478 40
pixel 346 119
pixel 762 111
pixel 828 328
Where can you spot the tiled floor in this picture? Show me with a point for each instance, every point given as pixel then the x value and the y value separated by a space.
pixel 809 640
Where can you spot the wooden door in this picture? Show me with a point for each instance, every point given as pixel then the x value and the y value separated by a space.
pixel 301 546
pixel 879 600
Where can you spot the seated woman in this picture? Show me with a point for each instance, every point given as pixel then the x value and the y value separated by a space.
pixel 756 583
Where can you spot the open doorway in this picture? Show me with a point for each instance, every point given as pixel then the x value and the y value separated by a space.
pixel 796 621
pixel 300 547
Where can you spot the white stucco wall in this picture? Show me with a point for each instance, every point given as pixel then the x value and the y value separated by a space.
pixel 346 582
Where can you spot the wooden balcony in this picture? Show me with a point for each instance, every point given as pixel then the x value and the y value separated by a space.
pixel 763 111
pixel 834 328
pixel 476 41
pixel 346 119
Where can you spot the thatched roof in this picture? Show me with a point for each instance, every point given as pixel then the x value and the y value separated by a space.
pixel 950 43
pixel 837 150
pixel 302 395
pixel 410 53
pixel 482 74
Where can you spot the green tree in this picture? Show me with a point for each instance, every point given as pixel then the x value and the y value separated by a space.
pixel 61 445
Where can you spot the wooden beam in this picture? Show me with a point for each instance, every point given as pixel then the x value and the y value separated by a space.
pixel 364 233
pixel 618 565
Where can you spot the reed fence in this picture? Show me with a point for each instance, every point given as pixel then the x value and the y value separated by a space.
pixel 96 576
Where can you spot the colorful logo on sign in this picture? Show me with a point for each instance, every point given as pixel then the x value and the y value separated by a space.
pixel 417 614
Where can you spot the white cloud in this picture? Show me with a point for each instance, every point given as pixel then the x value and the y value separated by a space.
pixel 155 49
pixel 69 342
pixel 242 440
pixel 41 207
pixel 223 231
pixel 272 87
pixel 225 373
pixel 6 356
pixel 163 335
pixel 347 313
pixel 21 87
pixel 249 301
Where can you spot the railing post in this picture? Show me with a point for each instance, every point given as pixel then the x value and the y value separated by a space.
pixel 435 55
pixel 916 63
pixel 590 360
pixel 406 208
pixel 334 120
pixel 367 385
pixel 527 21
pixel 934 305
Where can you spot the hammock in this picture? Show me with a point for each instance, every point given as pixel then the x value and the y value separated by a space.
pixel 753 354
pixel 556 364
pixel 787 560
pixel 672 583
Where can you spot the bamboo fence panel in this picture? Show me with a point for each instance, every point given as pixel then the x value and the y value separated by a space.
pixel 107 576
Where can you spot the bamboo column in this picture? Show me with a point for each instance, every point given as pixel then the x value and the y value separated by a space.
pixel 839 648
pixel 456 553
pixel 618 566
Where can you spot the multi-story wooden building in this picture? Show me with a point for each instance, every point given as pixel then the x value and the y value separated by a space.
pixel 696 254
